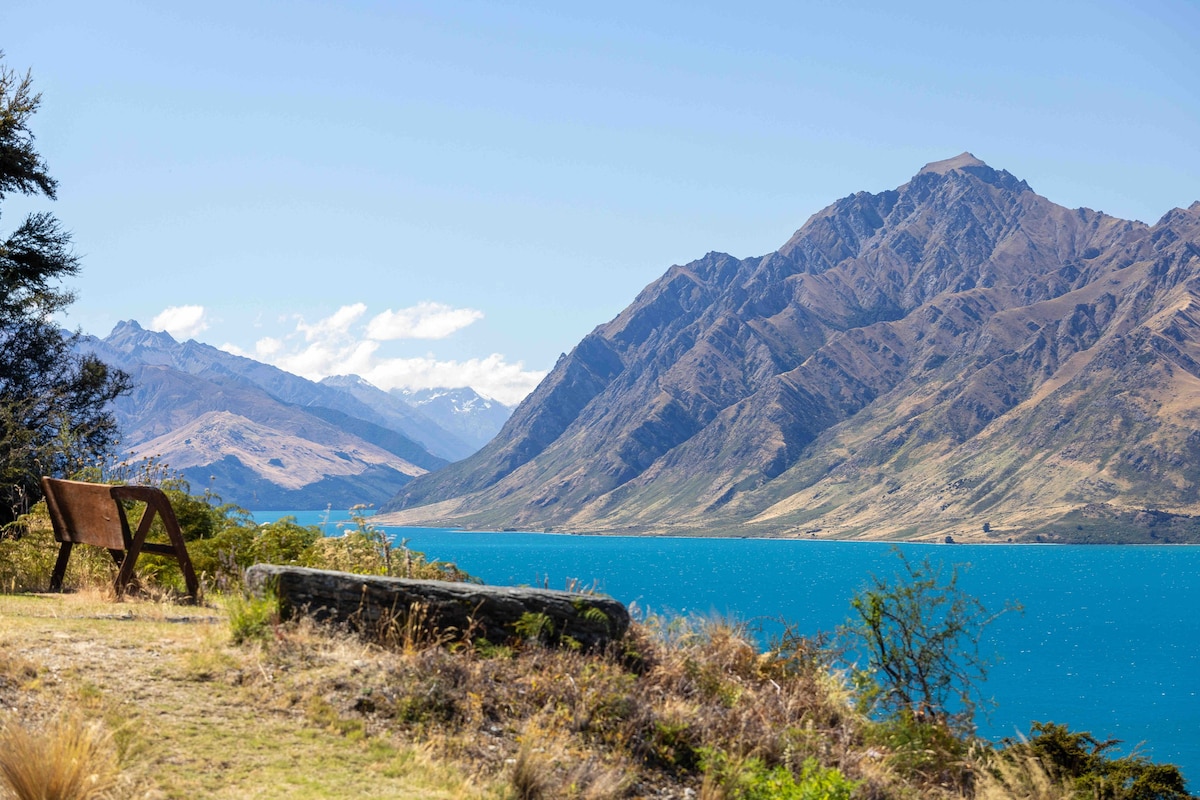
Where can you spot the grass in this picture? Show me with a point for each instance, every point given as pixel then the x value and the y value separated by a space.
pixel 62 759
pixel 191 715
pixel 554 722
pixel 307 713
pixel 1023 777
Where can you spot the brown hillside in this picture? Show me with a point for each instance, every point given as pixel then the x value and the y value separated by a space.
pixel 910 364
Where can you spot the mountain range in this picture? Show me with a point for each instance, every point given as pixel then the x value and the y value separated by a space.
pixel 264 438
pixel 957 358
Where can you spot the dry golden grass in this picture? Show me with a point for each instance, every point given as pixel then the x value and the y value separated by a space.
pixel 639 719
pixel 65 758
pixel 1022 777
pixel 307 712
pixel 190 715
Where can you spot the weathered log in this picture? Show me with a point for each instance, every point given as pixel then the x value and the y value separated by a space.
pixel 374 605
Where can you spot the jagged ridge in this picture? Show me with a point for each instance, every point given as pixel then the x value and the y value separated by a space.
pixel 913 362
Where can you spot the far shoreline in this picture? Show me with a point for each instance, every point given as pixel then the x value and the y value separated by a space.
pixel 340 518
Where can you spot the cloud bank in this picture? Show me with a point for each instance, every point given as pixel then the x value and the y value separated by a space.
pixel 348 343
pixel 182 322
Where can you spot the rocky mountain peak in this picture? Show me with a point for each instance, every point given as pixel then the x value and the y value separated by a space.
pixel 125 327
pixel 347 381
pixel 130 331
pixel 259 436
pixel 962 173
pixel 959 161
pixel 131 342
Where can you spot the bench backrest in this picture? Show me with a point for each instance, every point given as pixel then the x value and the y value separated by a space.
pixel 86 513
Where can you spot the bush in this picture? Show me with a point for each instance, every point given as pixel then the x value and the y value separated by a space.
pixel 364 549
pixel 751 779
pixel 28 551
pixel 252 618
pixel 922 752
pixel 222 559
pixel 920 633
pixel 1082 761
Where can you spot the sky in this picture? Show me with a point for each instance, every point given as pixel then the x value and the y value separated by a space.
pixel 455 193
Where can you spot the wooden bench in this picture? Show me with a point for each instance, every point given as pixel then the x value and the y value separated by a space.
pixel 93 513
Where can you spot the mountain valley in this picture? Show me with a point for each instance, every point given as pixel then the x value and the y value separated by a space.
pixel 263 438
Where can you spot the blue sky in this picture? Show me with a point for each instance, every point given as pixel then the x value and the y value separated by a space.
pixel 432 193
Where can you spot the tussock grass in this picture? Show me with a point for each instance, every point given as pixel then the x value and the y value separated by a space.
pixel 251 618
pixel 66 758
pixel 188 714
pixel 309 712
pixel 679 706
pixel 1020 777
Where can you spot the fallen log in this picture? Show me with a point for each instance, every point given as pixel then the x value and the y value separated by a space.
pixel 381 606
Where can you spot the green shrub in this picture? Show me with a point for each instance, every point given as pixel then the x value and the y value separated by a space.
pixel 673 744
pixel 752 779
pixel 27 554
pixel 223 542
pixel 252 618
pixel 920 637
pixel 223 558
pixel 364 549
pixel 1082 761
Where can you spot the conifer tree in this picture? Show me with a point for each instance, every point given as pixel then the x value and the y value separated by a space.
pixel 54 413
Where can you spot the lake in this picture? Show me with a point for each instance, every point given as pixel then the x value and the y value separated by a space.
pixel 1109 641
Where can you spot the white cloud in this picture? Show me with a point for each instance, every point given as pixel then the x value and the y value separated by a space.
pixel 230 347
pixel 323 358
pixel 422 321
pixel 492 376
pixel 341 344
pixel 267 346
pixel 333 326
pixel 182 322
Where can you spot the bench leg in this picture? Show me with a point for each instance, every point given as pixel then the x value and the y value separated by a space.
pixel 60 567
pixel 125 575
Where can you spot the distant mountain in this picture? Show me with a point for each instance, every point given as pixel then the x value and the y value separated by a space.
pixel 955 357
pixel 258 436
pixel 130 344
pixel 474 418
pixel 400 415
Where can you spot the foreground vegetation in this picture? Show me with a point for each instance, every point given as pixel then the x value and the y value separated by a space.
pixel 223 700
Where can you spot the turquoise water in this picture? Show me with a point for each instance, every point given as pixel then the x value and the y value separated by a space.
pixel 331 520
pixel 1109 640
